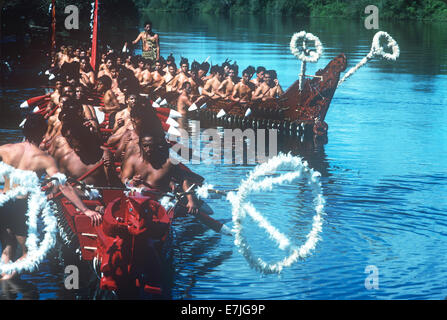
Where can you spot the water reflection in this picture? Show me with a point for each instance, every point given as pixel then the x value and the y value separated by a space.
pixel 194 255
pixel 18 289
pixel 310 149
pixel 248 146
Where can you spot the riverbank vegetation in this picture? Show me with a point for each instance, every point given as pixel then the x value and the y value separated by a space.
pixel 435 10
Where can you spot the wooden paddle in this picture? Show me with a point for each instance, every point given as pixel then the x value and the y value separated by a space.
pixel 204 217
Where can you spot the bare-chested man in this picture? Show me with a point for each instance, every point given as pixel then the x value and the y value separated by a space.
pixel 77 54
pixel 225 89
pixel 226 66
pixel 158 75
pixel 151 42
pixel 114 73
pixel 104 87
pixel 251 71
pixel 139 69
pixel 169 77
pixel 203 70
pixel 183 76
pixel 67 56
pixel 269 89
pixel 213 71
pixel 170 60
pixel 57 92
pixel 53 121
pixel 80 155
pixel 212 85
pixel 55 96
pixel 102 61
pixel 60 55
pixel 184 100
pixel 243 89
pixel 128 63
pixel 145 76
pixel 259 76
pixel 105 68
pixel 151 168
pixel 87 76
pixel 27 156
pixel 84 111
pixel 87 109
pixel 198 72
pixel 122 118
pixel 54 125
pixel 126 137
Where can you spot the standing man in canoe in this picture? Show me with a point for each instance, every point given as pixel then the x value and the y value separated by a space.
pixel 151 44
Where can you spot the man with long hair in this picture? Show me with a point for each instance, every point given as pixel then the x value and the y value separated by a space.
pixel 79 151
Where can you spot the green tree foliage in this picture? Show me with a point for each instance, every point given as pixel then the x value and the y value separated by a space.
pixel 118 13
pixel 391 9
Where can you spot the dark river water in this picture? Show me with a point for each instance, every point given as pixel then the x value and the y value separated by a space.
pixel 384 169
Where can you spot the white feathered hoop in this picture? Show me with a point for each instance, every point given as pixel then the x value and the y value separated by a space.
pixel 378 51
pixel 27 183
pixel 291 168
pixel 299 49
pixel 241 207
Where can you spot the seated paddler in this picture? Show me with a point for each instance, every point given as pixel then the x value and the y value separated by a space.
pixel 151 168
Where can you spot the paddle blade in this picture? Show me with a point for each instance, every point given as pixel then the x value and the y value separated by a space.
pixel 172 122
pixel 24 105
pixel 31 102
pixel 174 114
pixel 212 223
pixel 99 114
pixel 193 107
pixel 221 113
pixel 22 124
pixel 174 131
pixel 170 129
